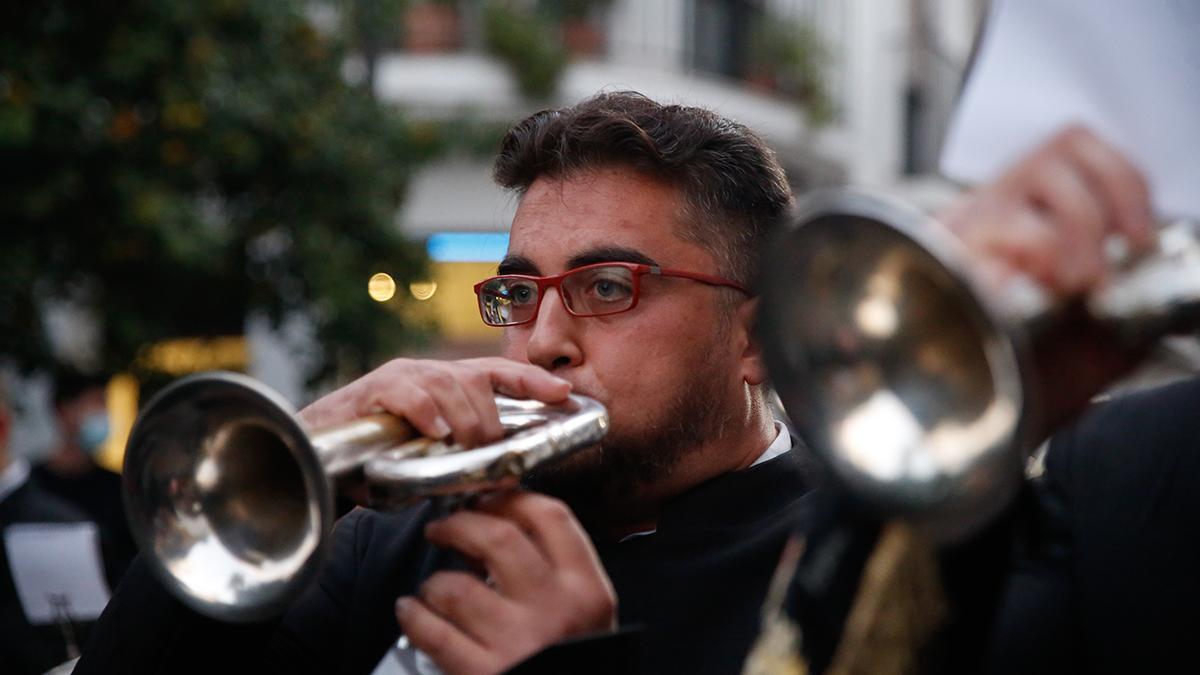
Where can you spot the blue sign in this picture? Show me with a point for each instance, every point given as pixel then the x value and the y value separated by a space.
pixel 467 246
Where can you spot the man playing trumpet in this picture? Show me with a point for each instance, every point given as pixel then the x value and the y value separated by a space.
pixel 627 280
pixel 628 277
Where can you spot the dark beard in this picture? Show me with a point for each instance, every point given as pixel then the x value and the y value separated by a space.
pixel 599 483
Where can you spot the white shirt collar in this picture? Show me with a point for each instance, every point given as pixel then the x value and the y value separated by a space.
pixel 781 444
pixel 13 477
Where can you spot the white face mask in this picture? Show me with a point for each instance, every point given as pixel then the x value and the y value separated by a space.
pixel 93 431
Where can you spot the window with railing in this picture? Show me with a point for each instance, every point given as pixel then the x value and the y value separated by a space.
pixel 779 48
pixel 719 35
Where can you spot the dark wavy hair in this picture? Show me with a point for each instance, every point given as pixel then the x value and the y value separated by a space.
pixel 733 188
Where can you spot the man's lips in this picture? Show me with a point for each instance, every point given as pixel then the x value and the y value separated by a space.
pixel 586 391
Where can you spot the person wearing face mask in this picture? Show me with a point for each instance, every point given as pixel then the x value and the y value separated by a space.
pixel 71 472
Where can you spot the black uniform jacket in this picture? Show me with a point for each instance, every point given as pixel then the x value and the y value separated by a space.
pixel 689 594
pixel 1110 580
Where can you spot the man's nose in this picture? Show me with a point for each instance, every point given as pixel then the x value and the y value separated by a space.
pixel 553 339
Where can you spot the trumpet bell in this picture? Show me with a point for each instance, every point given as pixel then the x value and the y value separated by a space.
pixel 889 363
pixel 225 494
pixel 231 498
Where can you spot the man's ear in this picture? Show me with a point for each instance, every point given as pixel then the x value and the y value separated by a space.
pixel 754 369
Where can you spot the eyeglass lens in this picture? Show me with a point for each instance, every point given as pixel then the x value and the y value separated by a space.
pixel 587 292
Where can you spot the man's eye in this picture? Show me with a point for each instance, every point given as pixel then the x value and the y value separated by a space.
pixel 521 294
pixel 609 289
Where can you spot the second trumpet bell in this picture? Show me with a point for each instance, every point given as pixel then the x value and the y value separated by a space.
pixel 923 389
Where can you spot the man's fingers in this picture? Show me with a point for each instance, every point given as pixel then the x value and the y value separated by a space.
pixel 432 397
pixel 439 398
pixel 1050 215
pixel 336 407
pixel 458 409
pixel 415 405
pixel 521 380
pixel 508 554
pixel 477 385
pixel 452 649
pixel 1078 210
pixel 1025 244
pixel 1117 180
pixel 579 575
pixel 553 527
pixel 469 604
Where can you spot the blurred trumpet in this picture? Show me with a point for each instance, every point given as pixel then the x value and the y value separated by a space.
pixel 231 498
pixel 924 389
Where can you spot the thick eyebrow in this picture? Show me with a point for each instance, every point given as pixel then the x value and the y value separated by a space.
pixel 519 264
pixel 610 254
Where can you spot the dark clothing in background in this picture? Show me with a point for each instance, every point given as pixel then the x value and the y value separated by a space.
pixel 25 648
pixel 971 574
pixel 695 587
pixel 96 492
pixel 1095 568
pixel 1110 583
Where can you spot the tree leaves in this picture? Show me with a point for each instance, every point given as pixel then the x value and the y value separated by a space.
pixel 172 167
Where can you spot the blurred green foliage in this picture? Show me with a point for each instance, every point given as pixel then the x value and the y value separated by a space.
pixel 173 166
pixel 372 26
pixel 571 9
pixel 528 41
pixel 791 58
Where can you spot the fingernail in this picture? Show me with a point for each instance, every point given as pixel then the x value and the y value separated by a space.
pixel 403 604
pixel 441 427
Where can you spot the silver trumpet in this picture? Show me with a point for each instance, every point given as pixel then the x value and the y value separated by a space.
pixel 230 497
pixel 921 387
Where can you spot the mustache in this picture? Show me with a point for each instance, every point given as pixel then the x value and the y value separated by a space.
pixel 589 390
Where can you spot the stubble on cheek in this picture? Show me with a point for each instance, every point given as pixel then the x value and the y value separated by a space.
pixel 644 446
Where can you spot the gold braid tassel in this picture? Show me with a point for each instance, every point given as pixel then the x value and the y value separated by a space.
pixel 778 648
pixel 899 606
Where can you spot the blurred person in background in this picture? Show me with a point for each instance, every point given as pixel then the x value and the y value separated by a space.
pixel 71 473
pixel 25 647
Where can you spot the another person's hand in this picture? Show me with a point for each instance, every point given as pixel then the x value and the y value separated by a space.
pixel 544 583
pixel 439 398
pixel 1048 216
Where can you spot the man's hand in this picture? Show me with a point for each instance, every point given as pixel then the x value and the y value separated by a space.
pixel 1049 215
pixel 544 583
pixel 439 398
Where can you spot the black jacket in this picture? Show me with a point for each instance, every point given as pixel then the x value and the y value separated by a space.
pixel 96 492
pixel 689 594
pixel 1109 579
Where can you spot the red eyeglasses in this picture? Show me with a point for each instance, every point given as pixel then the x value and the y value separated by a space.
pixel 591 290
